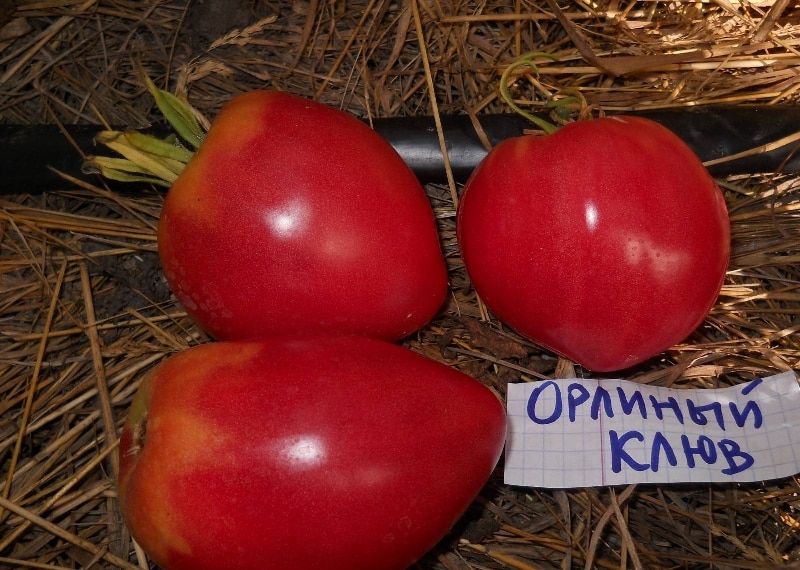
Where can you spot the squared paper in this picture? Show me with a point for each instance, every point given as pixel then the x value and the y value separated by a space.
pixel 586 433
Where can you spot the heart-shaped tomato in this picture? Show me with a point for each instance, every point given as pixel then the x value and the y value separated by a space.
pixel 606 242
pixel 296 217
pixel 343 453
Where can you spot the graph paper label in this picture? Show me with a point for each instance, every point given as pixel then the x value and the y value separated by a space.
pixel 587 433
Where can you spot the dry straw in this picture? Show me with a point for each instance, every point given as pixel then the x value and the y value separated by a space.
pixel 84 309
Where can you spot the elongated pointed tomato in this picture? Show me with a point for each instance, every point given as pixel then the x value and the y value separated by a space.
pixel 607 242
pixel 297 217
pixel 334 453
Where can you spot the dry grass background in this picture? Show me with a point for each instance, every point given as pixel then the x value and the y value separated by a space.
pixel 84 310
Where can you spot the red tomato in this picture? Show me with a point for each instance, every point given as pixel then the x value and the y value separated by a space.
pixel 296 217
pixel 606 242
pixel 342 453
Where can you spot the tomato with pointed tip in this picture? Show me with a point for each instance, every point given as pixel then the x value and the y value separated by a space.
pixel 295 217
pixel 606 242
pixel 303 453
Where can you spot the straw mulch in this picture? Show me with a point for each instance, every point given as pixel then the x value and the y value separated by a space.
pixel 85 311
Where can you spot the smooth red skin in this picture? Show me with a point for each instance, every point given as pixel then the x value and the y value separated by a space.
pixel 227 478
pixel 606 242
pixel 296 217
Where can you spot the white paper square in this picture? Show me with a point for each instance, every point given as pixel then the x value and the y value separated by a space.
pixel 749 432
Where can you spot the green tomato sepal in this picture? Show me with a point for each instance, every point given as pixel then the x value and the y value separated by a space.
pixel 146 158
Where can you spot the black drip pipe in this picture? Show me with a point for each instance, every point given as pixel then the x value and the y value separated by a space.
pixel 29 153
pixel 711 132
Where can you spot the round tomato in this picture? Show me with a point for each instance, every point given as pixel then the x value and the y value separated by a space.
pixel 342 453
pixel 606 242
pixel 294 217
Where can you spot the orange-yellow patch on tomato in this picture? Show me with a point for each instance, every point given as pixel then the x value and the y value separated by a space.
pixel 188 198
pixel 193 444
pixel 240 121
pixel 192 366
pixel 158 519
pixel 236 127
pixel 177 441
pixel 159 526
pixel 200 442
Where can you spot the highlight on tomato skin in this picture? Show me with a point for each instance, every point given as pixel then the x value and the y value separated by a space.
pixel 294 453
pixel 294 217
pixel 607 242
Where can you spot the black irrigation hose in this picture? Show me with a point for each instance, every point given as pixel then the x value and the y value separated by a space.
pixel 711 132
pixel 27 152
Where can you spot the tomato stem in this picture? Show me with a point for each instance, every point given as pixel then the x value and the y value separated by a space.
pixel 527 60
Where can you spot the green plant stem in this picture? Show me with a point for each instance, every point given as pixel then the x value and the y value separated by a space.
pixel 526 60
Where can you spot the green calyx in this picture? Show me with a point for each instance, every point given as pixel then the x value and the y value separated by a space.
pixel 146 158
pixel 178 113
